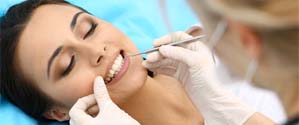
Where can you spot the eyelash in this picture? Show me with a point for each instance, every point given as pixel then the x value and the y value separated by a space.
pixel 72 62
pixel 90 31
pixel 70 66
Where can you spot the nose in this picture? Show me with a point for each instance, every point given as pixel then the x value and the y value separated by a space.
pixel 93 53
pixel 97 55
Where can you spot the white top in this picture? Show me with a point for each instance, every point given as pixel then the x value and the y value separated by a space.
pixel 263 101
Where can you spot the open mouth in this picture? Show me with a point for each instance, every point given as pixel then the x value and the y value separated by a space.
pixel 117 69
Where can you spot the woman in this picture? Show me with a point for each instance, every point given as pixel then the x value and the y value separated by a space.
pixel 257 40
pixel 51 52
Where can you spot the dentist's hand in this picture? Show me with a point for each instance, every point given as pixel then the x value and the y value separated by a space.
pixel 177 61
pixel 193 65
pixel 109 114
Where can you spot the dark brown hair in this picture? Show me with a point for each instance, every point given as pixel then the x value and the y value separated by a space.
pixel 16 89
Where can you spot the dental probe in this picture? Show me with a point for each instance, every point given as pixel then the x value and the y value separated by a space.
pixel 193 39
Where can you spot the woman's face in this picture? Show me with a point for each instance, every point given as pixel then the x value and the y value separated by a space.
pixel 63 49
pixel 229 49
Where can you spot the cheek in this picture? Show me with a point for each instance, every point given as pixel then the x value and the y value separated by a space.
pixel 232 56
pixel 76 87
pixel 118 38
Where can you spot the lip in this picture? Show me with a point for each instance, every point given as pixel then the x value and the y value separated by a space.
pixel 123 69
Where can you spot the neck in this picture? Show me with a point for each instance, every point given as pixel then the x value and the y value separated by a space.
pixel 284 82
pixel 290 100
pixel 288 93
pixel 158 104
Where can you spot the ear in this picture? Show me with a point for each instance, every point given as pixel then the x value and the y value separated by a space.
pixel 195 30
pixel 250 40
pixel 57 113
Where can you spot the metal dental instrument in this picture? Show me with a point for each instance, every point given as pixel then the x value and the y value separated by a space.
pixel 193 39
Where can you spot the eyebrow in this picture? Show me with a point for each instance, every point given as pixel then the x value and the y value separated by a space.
pixel 74 20
pixel 58 50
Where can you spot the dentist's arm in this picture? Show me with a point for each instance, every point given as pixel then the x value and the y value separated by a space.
pixel 109 114
pixel 194 67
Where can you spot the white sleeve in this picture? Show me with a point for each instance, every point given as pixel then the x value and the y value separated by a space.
pixel 263 101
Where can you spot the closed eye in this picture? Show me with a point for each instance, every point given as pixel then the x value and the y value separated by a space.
pixel 69 67
pixel 91 30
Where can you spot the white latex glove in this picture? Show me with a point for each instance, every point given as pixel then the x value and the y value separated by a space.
pixel 159 63
pixel 194 67
pixel 110 113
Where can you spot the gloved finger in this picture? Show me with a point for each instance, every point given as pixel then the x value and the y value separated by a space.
pixel 161 63
pixel 196 46
pixel 180 54
pixel 169 71
pixel 93 110
pixel 80 120
pixel 153 57
pixel 171 38
pixel 100 92
pixel 161 69
pixel 157 67
pixel 78 110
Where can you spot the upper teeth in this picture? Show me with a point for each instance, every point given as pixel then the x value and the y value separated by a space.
pixel 115 68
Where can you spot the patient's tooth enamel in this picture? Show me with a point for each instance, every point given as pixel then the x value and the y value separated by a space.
pixel 110 75
pixel 117 62
pixel 117 69
pixel 111 71
pixel 114 67
pixel 119 65
pixel 108 79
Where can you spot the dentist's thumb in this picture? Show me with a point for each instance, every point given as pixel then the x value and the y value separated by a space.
pixel 100 92
pixel 109 111
pixel 180 54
